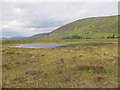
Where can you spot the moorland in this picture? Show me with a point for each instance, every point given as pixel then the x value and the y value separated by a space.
pixel 74 66
pixel 78 66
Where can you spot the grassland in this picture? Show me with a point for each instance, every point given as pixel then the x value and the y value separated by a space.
pixel 63 67
pixel 95 27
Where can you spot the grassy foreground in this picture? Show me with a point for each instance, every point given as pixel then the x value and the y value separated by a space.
pixel 63 67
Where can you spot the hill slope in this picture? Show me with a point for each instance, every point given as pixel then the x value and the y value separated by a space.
pixel 96 27
pixel 37 36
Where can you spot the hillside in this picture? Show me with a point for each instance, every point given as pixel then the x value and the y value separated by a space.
pixel 95 27
pixel 37 36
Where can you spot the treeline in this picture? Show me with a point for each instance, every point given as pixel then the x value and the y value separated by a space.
pixel 80 37
pixel 113 36
pixel 76 37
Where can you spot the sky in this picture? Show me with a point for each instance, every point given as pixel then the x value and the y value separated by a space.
pixel 27 18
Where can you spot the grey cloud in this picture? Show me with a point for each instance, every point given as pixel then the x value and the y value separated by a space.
pixel 44 24
pixel 9 33
pixel 45 17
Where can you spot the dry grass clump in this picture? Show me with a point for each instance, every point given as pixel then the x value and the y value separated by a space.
pixel 20 80
pixel 34 72
pixel 9 52
pixel 7 66
pixel 100 78
pixel 65 77
pixel 91 67
pixel 60 61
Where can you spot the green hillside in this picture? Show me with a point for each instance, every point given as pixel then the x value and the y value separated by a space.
pixel 95 27
pixel 37 36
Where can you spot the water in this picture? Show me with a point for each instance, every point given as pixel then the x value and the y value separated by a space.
pixel 37 45
pixel 54 45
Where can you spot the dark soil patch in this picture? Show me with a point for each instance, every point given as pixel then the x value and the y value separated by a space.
pixel 93 67
pixel 20 80
pixel 32 73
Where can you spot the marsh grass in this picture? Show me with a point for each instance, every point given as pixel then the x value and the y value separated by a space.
pixel 63 67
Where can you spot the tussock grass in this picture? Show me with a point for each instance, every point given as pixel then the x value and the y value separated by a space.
pixel 63 67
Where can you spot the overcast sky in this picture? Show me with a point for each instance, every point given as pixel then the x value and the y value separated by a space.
pixel 26 18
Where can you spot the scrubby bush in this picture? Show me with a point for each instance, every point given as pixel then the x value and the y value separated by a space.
pixel 74 37
pixel 111 36
pixel 88 38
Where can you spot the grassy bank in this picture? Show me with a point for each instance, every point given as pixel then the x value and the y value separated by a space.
pixel 63 67
pixel 7 43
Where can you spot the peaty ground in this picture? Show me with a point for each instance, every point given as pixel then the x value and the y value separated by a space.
pixel 63 67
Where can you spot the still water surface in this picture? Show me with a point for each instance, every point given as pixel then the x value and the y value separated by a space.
pixel 54 45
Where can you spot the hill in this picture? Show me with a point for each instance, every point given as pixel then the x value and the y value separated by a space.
pixel 37 36
pixel 95 27
pixel 12 38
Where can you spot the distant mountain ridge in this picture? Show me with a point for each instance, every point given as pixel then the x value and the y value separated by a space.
pixel 3 38
pixel 37 36
pixel 12 38
pixel 95 27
